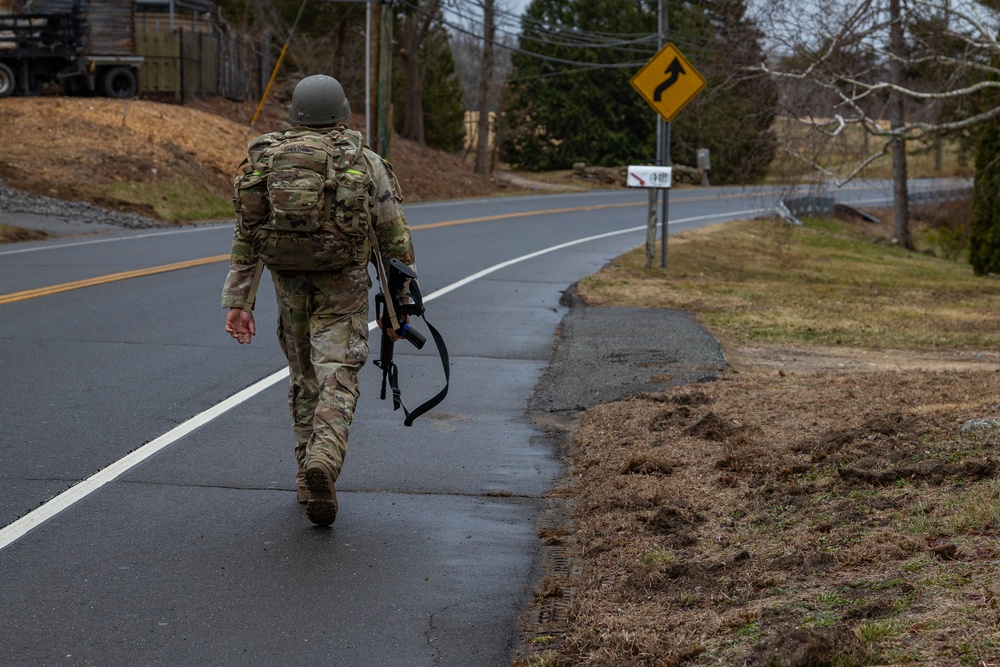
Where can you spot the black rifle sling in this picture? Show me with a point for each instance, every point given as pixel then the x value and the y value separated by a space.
pixel 434 400
pixel 392 372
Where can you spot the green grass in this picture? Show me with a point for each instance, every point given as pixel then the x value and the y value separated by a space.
pixel 825 282
pixel 659 559
pixel 872 632
pixel 975 509
pixel 174 199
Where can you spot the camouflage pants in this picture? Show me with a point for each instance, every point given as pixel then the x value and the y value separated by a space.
pixel 323 331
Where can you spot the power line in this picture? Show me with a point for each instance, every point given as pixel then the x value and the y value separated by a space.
pixel 516 49
pixel 552 35
pixel 556 35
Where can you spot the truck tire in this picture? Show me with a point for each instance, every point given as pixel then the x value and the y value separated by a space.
pixel 7 81
pixel 119 82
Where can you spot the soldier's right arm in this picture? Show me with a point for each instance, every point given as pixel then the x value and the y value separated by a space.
pixel 251 205
pixel 242 265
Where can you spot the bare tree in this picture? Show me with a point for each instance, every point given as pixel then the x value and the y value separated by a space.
pixel 862 64
pixel 419 17
pixel 897 120
pixel 482 34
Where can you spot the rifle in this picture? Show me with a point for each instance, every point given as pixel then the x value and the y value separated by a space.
pixel 393 314
pixel 389 313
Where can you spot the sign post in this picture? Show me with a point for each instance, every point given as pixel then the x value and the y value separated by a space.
pixel 667 82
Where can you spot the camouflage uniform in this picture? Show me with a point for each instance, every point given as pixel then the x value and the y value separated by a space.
pixel 323 315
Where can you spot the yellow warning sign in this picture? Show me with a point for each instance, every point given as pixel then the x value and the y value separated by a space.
pixel 668 82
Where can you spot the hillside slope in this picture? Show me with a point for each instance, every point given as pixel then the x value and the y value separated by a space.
pixel 113 152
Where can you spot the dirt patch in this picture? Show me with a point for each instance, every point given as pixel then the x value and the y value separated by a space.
pixel 67 145
pixel 69 148
pixel 14 234
pixel 820 507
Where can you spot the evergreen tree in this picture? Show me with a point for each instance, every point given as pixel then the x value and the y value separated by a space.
pixel 557 114
pixel 984 241
pixel 443 109
pixel 733 115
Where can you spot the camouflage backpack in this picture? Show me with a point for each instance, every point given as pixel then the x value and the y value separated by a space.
pixel 302 199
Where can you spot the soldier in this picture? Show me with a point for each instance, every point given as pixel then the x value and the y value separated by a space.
pixel 310 203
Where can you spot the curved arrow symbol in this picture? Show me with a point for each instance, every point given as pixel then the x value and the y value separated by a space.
pixel 675 70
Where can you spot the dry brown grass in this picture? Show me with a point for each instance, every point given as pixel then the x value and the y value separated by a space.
pixel 806 154
pixel 827 518
pixel 816 506
pixel 175 162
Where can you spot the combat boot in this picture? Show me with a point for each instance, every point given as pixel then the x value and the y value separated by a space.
pixel 301 488
pixel 321 507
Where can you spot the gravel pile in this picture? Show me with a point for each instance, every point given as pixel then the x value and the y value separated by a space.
pixel 16 201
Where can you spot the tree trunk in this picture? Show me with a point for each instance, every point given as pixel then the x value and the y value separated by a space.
pixel 416 27
pixel 483 153
pixel 339 55
pixel 413 84
pixel 897 117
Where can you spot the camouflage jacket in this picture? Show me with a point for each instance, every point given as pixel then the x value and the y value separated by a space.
pixel 386 214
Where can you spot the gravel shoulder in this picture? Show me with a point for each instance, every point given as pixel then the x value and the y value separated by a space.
pixel 60 218
pixel 609 354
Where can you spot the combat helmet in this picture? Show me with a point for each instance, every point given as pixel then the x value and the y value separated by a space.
pixel 318 100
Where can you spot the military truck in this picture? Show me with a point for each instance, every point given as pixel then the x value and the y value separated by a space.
pixel 87 46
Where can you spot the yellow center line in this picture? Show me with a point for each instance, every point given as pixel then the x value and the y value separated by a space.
pixel 524 214
pixel 110 278
pixel 138 273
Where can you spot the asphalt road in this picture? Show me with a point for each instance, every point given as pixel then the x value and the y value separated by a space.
pixel 146 467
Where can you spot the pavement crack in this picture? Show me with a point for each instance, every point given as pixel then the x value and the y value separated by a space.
pixel 430 635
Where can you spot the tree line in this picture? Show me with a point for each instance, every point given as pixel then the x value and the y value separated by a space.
pixel 552 84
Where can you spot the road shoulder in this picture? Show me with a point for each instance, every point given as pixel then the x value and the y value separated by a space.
pixel 601 355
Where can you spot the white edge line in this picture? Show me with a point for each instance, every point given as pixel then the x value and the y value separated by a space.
pixel 18 528
pixel 112 239
pixel 561 246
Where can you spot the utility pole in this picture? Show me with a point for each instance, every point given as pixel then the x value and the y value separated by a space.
pixel 372 45
pixel 369 46
pixel 483 153
pixel 384 114
pixel 663 143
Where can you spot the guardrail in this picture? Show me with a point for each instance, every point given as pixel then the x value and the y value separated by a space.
pixel 794 208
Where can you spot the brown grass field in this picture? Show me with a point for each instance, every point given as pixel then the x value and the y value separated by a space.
pixel 821 503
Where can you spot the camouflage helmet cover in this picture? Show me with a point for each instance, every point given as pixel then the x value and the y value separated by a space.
pixel 318 100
